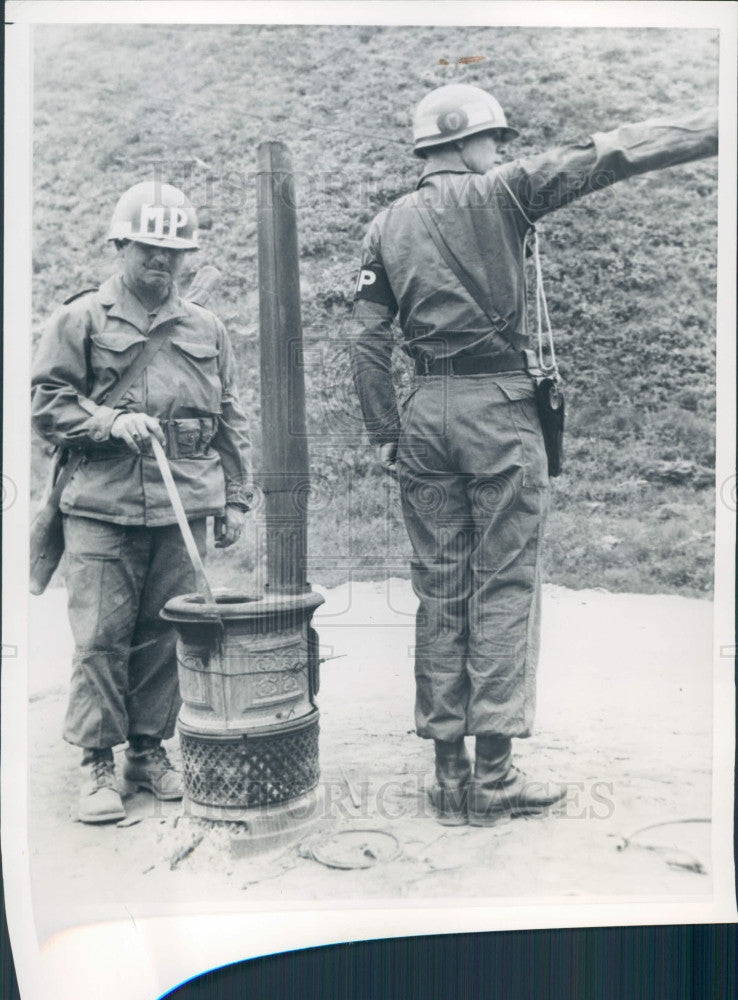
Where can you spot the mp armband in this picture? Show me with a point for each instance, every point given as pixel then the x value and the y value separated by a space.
pixel 373 285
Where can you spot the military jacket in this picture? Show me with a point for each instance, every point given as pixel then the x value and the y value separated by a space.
pixel 484 219
pixel 188 385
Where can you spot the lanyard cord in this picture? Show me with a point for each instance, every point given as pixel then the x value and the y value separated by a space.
pixel 542 308
pixel 541 304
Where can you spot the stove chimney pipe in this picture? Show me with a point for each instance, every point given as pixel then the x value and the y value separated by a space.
pixel 285 471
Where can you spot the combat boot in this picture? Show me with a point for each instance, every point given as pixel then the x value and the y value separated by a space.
pixel 147 766
pixel 448 794
pixel 498 789
pixel 99 799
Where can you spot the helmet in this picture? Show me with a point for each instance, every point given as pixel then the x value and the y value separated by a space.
pixel 157 214
pixel 454 112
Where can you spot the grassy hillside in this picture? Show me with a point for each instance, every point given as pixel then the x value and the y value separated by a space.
pixel 630 271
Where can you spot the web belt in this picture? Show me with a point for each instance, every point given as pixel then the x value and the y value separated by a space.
pixel 482 364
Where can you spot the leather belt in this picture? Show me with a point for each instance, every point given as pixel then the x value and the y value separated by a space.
pixel 469 364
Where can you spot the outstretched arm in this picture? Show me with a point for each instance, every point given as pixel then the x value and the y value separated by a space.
pixel 552 179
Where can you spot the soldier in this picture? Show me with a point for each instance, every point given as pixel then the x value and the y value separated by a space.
pixel 125 557
pixel 468 449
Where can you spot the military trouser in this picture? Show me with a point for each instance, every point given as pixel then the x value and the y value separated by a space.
pixel 124 676
pixel 474 484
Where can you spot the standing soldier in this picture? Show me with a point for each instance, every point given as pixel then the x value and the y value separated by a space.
pixel 125 557
pixel 448 261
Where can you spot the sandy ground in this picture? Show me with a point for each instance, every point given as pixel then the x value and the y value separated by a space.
pixel 624 717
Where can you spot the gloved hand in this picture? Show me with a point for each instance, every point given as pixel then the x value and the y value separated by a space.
pixel 227 529
pixel 135 429
pixel 388 458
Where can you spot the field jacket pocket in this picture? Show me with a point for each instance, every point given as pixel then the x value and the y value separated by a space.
pixel 114 352
pixel 111 355
pixel 194 350
pixel 197 363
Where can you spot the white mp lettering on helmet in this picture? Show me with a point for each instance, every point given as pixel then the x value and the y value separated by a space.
pixel 152 214
pixel 155 213
pixel 177 220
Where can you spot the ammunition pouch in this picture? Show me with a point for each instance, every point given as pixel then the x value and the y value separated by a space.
pixel 188 437
pixel 185 437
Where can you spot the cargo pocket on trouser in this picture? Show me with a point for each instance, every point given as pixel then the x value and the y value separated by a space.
pixel 103 604
pixel 523 412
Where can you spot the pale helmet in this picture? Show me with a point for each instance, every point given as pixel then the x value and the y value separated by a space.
pixel 454 112
pixel 157 214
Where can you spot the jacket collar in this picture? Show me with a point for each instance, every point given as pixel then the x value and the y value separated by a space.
pixel 122 304
pixel 440 170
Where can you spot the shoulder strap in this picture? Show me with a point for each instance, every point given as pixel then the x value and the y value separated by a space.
pixel 78 295
pixel 114 395
pixel 466 280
